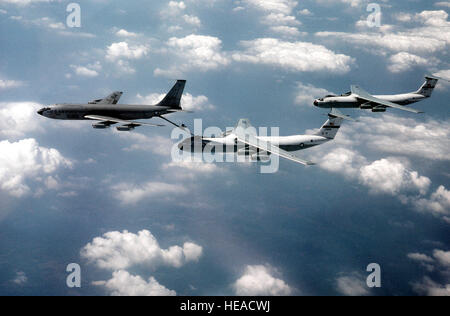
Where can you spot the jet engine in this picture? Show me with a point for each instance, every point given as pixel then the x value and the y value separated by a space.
pixel 366 106
pixel 124 128
pixel 379 109
pixel 100 126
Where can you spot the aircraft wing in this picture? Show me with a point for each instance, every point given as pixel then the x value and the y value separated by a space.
pixel 265 146
pixel 364 95
pixel 112 120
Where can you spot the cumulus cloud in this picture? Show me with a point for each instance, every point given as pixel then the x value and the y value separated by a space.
pixel 405 61
pixel 392 134
pixel 25 161
pixel 438 204
pixel 18 119
pixel 293 56
pixel 21 278
pixel 123 50
pixel 405 138
pixel 259 281
pixel 410 47
pixel 155 144
pixel 352 285
pixel 440 262
pixel 281 6
pixel 130 194
pixel 9 84
pixel 125 33
pixel 393 177
pixel 123 283
pixel 197 52
pixel 122 250
pixel 87 71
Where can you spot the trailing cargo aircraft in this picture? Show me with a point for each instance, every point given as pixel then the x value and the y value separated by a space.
pixel 244 141
pixel 359 98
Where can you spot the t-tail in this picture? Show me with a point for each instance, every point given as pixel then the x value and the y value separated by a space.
pixel 428 87
pixel 173 98
pixel 331 127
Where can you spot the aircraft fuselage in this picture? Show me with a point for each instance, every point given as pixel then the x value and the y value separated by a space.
pixel 351 101
pixel 122 111
pixel 229 144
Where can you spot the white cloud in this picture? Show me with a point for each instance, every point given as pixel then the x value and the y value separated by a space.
pixel 443 257
pixel 18 119
pixel 156 144
pixel 439 262
pixel 125 33
pixel 293 56
pixel 202 53
pixel 131 194
pixel 123 50
pixel 21 278
pixel 393 134
pixel 438 204
pixel 281 6
pixel 24 161
pixel 405 61
pixel 258 281
pixel 443 4
pixel 84 71
pixel 352 285
pixel 392 176
pixel 123 283
pixel 430 288
pixel 9 84
pixel 420 257
pixel 122 250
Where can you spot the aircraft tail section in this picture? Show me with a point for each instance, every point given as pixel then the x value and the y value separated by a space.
pixel 173 98
pixel 331 127
pixel 427 88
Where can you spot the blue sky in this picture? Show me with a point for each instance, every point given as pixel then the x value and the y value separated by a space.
pixel 140 224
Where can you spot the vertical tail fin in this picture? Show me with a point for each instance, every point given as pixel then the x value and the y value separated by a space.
pixel 331 127
pixel 173 98
pixel 427 88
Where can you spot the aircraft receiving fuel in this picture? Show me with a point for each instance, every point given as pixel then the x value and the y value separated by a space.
pixel 358 98
pixel 244 141
pixel 107 112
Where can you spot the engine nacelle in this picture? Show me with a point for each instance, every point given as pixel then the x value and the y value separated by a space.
pixel 124 128
pixel 379 109
pixel 366 107
pixel 100 126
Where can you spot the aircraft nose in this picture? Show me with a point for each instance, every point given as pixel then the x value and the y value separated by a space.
pixel 316 103
pixel 41 112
